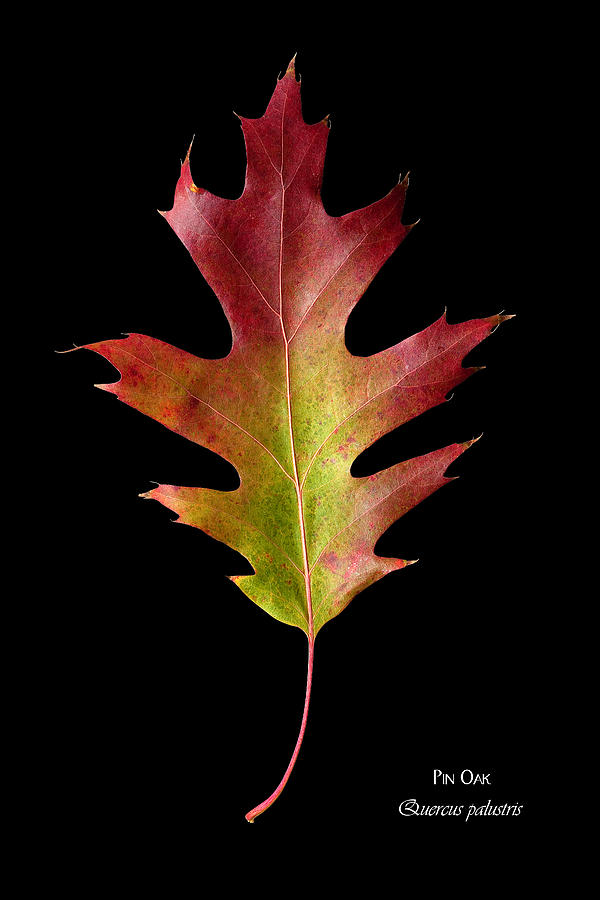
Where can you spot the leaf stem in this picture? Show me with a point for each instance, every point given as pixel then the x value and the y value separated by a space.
pixel 250 816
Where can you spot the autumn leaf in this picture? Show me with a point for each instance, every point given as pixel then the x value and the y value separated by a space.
pixel 290 407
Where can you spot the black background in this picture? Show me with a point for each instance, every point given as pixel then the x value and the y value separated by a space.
pixel 168 699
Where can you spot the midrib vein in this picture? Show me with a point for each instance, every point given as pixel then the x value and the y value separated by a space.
pixel 297 485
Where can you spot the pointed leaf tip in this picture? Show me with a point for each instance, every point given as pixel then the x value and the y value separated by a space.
pixel 291 69
pixel 500 318
pixel 70 350
pixel 467 444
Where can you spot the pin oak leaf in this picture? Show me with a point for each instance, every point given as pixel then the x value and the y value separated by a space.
pixel 290 407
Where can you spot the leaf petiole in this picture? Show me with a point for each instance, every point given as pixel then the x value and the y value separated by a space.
pixel 251 816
